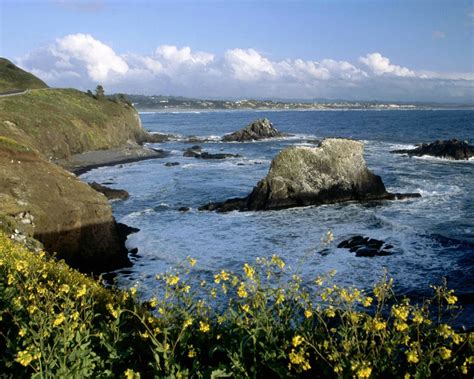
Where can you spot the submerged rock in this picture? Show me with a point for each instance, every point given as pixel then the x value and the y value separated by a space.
pixel 110 193
pixel 196 152
pixel 450 149
pixel 334 172
pixel 171 164
pixel 257 130
pixel 366 247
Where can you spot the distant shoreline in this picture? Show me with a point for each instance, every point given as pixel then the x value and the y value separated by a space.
pixel 209 110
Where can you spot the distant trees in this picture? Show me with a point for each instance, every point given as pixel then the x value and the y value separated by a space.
pixel 99 92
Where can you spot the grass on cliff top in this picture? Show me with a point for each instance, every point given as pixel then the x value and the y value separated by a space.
pixel 9 144
pixel 13 78
pixel 61 122
pixel 56 322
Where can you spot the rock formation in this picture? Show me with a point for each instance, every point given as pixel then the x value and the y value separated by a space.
pixel 59 210
pixel 450 149
pixel 334 172
pixel 110 193
pixel 257 130
pixel 196 152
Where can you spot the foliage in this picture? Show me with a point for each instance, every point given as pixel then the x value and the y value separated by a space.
pixel 61 122
pixel 264 322
pixel 13 78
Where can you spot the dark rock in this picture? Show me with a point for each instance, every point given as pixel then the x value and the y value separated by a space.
pixel 110 193
pixel 196 152
pixel 193 152
pixel 334 172
pixel 206 155
pixel 184 209
pixel 227 206
pixel 156 138
pixel 257 130
pixel 171 164
pixel 365 246
pixel 450 149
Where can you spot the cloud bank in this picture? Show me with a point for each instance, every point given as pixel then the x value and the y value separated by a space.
pixel 80 60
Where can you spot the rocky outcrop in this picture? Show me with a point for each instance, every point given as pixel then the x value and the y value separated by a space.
pixel 257 130
pixel 366 247
pixel 110 193
pixel 334 172
pixel 450 149
pixel 56 208
pixel 196 152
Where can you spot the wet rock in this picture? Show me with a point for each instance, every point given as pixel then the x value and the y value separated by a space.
pixel 184 209
pixel 334 172
pixel 365 246
pixel 257 130
pixel 110 193
pixel 171 164
pixel 449 149
pixel 157 138
pixel 196 152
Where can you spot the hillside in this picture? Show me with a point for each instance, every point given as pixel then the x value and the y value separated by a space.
pixel 62 122
pixel 13 78
pixel 41 200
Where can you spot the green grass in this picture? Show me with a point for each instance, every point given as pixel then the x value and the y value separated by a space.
pixel 13 78
pixel 61 122
pixel 56 322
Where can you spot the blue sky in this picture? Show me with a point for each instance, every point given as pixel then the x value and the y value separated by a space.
pixel 398 50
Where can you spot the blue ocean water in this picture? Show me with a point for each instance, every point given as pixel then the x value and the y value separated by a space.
pixel 433 237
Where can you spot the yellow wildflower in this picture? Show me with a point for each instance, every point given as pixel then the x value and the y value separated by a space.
pixel 153 302
pixel 445 353
pixel 133 291
pixel 367 301
pixel 249 271
pixel 192 261
pixel 172 280
pixel 412 356
pixel 24 358
pixel 330 312
pixel 299 359
pixel 130 374
pixel 319 281
pixel 400 312
pixel 400 325
pixel 280 297
pixel 59 320
pixel 297 340
pixel 64 288
pixel 379 324
pixel 418 318
pixel 187 322
pixel 308 313
pixel 81 291
pixel 112 311
pixel 191 352
pixel 364 372
pixel 242 292
pixel 276 260
pixel 246 308
pixel 204 327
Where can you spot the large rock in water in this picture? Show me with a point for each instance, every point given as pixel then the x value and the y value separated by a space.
pixel 65 214
pixel 257 130
pixel 450 149
pixel 300 176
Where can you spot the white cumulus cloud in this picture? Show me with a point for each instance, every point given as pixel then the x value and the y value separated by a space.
pixel 82 61
pixel 99 58
pixel 381 65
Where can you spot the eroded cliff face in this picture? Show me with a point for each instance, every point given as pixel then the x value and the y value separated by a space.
pixel 54 206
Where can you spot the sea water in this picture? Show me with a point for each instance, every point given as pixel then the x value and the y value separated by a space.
pixel 433 236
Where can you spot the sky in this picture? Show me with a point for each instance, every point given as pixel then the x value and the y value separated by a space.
pixel 399 50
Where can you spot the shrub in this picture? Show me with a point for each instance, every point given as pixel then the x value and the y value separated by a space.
pixel 264 322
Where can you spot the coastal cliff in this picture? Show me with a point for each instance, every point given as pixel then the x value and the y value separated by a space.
pixel 40 199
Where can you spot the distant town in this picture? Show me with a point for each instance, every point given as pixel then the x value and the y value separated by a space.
pixel 159 102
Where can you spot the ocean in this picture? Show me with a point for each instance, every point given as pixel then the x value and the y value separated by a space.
pixel 433 236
